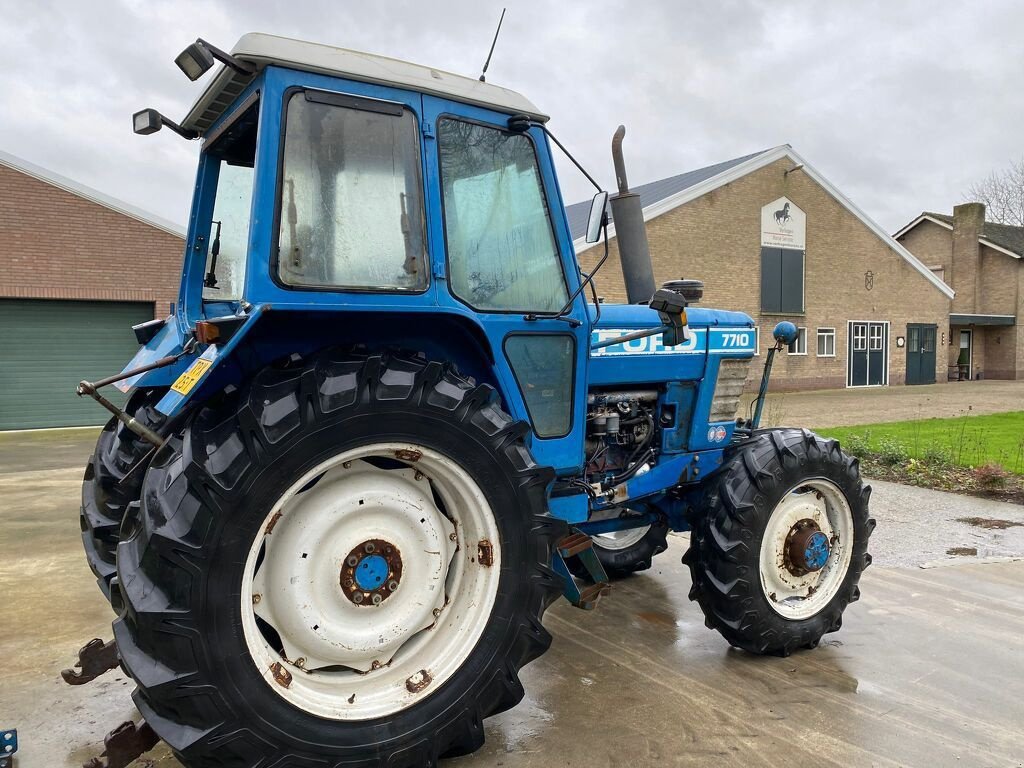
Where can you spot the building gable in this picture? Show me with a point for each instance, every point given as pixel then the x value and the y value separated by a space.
pixel 761 160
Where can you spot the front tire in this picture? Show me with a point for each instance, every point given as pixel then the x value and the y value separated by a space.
pixel 325 503
pixel 779 545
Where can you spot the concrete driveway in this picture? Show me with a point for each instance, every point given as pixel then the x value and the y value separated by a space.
pixel 845 407
pixel 927 670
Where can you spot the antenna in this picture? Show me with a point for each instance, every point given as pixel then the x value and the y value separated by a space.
pixel 491 52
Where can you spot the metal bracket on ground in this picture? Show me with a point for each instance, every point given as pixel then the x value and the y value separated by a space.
pixel 124 745
pixel 578 591
pixel 94 658
pixel 8 747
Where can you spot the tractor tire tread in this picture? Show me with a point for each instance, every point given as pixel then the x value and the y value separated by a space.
pixel 218 452
pixel 106 493
pixel 726 530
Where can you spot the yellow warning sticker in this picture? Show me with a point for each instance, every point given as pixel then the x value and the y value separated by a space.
pixel 188 380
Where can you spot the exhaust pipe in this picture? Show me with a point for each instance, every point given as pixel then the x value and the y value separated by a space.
pixel 630 231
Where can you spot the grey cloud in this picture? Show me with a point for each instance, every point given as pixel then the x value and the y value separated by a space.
pixel 901 104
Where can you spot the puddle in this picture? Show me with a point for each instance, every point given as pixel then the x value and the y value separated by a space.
pixel 963 551
pixel 989 523
pixel 656 617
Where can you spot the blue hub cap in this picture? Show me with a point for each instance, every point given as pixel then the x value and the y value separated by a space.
pixel 371 572
pixel 808 548
pixel 816 551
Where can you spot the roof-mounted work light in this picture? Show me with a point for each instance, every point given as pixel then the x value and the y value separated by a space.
pixel 147 121
pixel 198 58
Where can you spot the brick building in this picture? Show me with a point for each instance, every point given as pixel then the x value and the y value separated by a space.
pixel 77 270
pixel 770 236
pixel 983 263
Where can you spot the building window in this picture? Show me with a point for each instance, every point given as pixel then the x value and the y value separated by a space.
pixel 860 337
pixel 800 345
pixel 876 337
pixel 826 342
pixel 782 281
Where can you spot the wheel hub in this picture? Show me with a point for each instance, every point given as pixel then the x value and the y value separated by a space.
pixel 807 548
pixel 371 572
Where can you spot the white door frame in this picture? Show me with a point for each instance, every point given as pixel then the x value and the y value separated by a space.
pixel 887 351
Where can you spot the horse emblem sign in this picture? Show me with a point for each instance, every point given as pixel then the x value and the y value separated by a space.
pixel 783 225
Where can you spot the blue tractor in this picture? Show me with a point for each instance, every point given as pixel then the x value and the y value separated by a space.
pixel 387 423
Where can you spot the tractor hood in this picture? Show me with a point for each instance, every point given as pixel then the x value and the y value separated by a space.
pixel 636 316
pixel 713 332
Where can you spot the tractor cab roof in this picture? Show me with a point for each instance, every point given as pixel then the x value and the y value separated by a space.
pixel 265 50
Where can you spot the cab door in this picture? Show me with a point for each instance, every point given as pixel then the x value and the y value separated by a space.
pixel 509 263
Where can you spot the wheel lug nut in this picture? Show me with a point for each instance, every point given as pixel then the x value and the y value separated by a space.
pixel 347 583
pixel 353 561
pixel 392 586
pixel 369 547
pixel 358 597
pixel 376 599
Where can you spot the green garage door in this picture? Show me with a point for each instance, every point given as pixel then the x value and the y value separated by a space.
pixel 47 347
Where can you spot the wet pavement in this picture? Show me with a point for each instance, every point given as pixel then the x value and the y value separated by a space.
pixel 928 669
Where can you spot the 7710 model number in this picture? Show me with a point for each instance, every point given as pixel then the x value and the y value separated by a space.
pixel 735 339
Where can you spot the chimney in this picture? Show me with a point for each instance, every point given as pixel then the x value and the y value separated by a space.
pixel 968 222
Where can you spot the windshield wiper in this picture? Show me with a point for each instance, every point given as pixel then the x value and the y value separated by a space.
pixel 210 281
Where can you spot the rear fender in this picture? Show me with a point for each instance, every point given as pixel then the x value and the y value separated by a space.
pixel 267 336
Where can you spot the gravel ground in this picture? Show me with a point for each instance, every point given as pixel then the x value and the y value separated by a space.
pixel 919 527
pixel 845 407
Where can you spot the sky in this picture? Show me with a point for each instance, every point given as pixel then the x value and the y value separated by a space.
pixel 902 105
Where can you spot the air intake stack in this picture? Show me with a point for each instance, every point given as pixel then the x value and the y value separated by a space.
pixel 630 231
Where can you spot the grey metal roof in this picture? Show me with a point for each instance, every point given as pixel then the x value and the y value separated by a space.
pixel 656 191
pixel 1006 236
pixel 88 193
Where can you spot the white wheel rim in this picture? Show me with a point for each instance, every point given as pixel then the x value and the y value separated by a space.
pixel 796 595
pixel 347 661
pixel 619 540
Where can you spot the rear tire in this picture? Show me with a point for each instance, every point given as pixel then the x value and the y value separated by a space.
pixel 108 489
pixel 765 494
pixel 192 565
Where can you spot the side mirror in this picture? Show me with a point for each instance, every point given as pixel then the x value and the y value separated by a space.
pixel 597 209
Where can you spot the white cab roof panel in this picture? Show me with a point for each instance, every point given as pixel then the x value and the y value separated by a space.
pixel 263 50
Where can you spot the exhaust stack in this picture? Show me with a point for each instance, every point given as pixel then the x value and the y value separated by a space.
pixel 627 213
